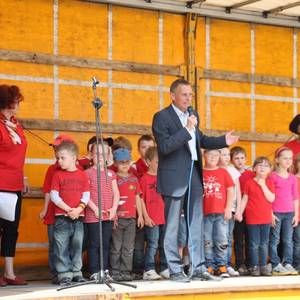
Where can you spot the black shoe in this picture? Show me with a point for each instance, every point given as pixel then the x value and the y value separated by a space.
pixel 66 281
pixel 117 277
pixel 54 280
pixel 179 277
pixel 78 279
pixel 206 276
pixel 127 276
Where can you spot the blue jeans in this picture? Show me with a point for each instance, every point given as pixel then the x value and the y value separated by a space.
pixel 68 237
pixel 215 240
pixel 296 239
pixel 284 224
pixel 154 236
pixel 51 252
pixel 94 245
pixel 230 228
pixel 258 243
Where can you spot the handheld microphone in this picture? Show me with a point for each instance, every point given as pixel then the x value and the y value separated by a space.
pixel 95 81
pixel 190 111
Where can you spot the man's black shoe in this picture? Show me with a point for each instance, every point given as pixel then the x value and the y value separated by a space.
pixel 205 276
pixel 179 277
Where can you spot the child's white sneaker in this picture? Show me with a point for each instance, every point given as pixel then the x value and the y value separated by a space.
pixel 151 275
pixel 165 274
pixel 232 272
pixel 291 269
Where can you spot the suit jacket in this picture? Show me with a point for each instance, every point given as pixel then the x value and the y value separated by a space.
pixel 174 153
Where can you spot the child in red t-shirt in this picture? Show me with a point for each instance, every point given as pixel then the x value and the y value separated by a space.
pixel 257 204
pixel 154 219
pixel 129 213
pixel 70 194
pixel 141 167
pixel 110 197
pixel 144 143
pixel 47 214
pixel 217 203
pixel 238 157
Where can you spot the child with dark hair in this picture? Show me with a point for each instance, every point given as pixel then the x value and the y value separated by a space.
pixel 257 204
pixel 144 143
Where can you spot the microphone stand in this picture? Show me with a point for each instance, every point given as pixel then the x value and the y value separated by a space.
pixel 102 276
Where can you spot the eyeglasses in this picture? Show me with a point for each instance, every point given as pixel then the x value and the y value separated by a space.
pixel 263 165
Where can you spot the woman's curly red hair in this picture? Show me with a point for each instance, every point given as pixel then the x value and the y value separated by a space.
pixel 9 95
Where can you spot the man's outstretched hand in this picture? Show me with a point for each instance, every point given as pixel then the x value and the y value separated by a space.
pixel 230 138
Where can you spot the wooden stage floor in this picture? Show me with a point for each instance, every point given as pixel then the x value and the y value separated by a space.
pixel 275 288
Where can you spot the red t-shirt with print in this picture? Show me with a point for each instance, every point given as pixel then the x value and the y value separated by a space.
pixel 129 187
pixel 258 209
pixel 153 200
pixel 216 183
pixel 71 186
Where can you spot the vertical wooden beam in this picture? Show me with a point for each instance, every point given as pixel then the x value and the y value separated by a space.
pixel 190 41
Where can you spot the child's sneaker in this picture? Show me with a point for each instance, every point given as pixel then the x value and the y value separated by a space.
pixel 222 272
pixel 232 272
pixel 243 270
pixel 210 270
pixel 151 275
pixel 265 270
pixel 165 274
pixel 291 269
pixel 66 281
pixel 255 271
pixel 280 270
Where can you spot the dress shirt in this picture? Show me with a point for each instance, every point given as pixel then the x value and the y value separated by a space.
pixel 183 116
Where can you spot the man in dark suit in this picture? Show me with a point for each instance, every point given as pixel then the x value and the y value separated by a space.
pixel 179 143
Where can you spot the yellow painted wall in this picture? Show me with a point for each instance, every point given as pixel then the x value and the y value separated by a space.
pixel 132 98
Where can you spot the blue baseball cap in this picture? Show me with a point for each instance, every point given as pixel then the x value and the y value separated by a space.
pixel 121 154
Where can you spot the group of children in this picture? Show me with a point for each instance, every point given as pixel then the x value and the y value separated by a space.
pixel 254 209
pixel 129 202
pixel 259 208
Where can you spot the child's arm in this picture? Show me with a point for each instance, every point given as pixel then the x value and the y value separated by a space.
pixel 148 221
pixel 116 198
pixel 268 194
pixel 238 195
pixel 229 200
pixel 55 198
pixel 74 213
pixel 140 220
pixel 239 214
pixel 93 207
pixel 296 215
pixel 46 204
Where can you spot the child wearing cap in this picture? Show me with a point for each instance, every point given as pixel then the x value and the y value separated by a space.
pixel 129 213
pixel 47 214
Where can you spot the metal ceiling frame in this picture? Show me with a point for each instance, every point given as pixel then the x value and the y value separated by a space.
pixel 278 9
pixel 208 11
pixel 239 5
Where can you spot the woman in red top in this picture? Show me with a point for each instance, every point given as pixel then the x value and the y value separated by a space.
pixel 12 156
